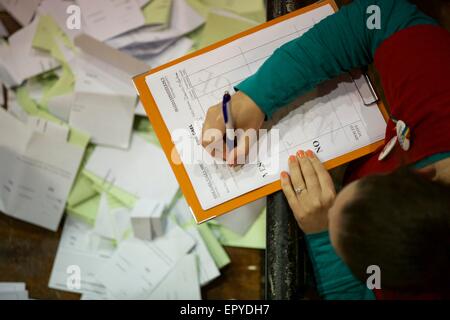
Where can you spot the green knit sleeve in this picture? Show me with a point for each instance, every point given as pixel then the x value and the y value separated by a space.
pixel 335 45
pixel 334 279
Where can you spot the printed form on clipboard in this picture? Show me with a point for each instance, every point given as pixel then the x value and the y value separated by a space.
pixel 336 120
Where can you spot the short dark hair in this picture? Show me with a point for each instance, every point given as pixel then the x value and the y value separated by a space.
pixel 400 222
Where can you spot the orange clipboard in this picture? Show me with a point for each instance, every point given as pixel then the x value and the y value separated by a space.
pixel 173 157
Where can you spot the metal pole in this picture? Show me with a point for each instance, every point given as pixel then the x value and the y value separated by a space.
pixel 286 260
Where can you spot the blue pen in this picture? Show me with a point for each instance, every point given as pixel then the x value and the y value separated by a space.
pixel 229 132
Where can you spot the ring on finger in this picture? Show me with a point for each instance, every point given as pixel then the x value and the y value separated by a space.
pixel 299 190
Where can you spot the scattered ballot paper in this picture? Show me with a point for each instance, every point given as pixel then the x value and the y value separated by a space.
pixel 183 20
pixel 20 61
pixel 181 283
pixel 113 219
pixel 147 219
pixel 136 170
pixel 80 247
pixel 119 65
pixel 60 106
pixel 57 9
pixel 241 219
pixel 57 131
pixel 177 49
pixel 207 267
pixel 103 106
pixel 36 174
pixel 105 19
pixel 137 267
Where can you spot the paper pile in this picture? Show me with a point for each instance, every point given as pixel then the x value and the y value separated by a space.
pixel 73 140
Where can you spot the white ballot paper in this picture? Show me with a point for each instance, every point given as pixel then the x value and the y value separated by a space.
pixel 103 106
pixel 207 268
pixel 105 19
pixel 112 223
pixel 36 173
pixel 58 10
pixel 19 60
pixel 148 219
pixel 332 124
pixel 137 267
pixel 177 49
pixel 184 19
pixel 49 128
pixel 138 170
pixel 80 248
pixel 181 283
pixel 60 106
pixel 241 219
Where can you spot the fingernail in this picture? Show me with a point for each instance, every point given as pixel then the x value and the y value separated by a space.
pixel 301 153
pixel 284 175
pixel 292 159
pixel 310 154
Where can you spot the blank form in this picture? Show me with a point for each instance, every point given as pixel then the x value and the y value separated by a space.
pixel 332 122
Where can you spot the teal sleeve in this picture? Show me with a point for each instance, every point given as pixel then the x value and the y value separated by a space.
pixel 334 279
pixel 335 45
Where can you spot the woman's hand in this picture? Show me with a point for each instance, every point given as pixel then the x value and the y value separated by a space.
pixel 309 190
pixel 245 114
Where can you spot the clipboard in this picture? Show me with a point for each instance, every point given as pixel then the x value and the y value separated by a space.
pixel 201 215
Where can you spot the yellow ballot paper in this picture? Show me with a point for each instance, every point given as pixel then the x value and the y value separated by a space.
pixel 334 121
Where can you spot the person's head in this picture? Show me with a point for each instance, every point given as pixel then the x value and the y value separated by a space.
pixel 399 222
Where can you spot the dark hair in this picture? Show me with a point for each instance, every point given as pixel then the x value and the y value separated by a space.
pixel 400 222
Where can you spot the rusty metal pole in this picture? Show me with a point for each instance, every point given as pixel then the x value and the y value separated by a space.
pixel 286 261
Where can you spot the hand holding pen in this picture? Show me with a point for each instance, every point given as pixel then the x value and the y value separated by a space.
pixel 243 114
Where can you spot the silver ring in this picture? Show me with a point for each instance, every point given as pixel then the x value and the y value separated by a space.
pixel 299 190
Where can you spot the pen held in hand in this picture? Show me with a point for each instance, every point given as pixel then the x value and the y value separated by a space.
pixel 229 127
